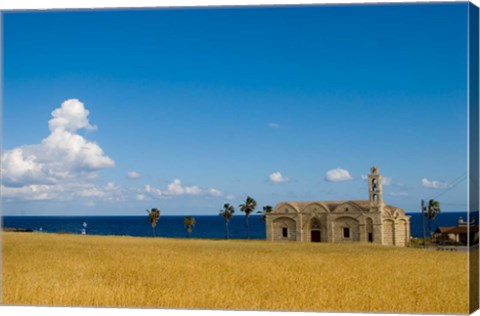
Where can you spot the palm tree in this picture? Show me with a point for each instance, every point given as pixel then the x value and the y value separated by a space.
pixel 266 209
pixel 248 207
pixel 432 210
pixel 153 217
pixel 227 213
pixel 189 222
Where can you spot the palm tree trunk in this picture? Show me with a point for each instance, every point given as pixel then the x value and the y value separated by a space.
pixel 430 227
pixel 248 229
pixel 226 230
pixel 423 221
pixel 153 229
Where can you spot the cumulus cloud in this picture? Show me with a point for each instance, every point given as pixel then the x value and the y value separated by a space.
pixel 62 166
pixel 214 192
pixel 70 116
pixel 273 125
pixel 152 191
pixel 104 191
pixel 337 175
pixel 34 192
pixel 64 192
pixel 60 156
pixel 133 175
pixel 434 184
pixel 277 177
pixel 176 188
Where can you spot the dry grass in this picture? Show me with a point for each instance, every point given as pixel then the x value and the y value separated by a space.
pixel 75 270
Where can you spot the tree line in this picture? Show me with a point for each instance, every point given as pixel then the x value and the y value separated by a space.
pixel 227 212
pixel 429 212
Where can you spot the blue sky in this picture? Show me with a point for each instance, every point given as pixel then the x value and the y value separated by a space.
pixel 113 112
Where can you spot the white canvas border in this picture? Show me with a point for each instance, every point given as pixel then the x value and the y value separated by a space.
pixel 100 4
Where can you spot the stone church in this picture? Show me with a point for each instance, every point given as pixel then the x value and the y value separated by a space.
pixel 341 221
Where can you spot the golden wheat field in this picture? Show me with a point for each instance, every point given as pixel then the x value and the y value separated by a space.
pixel 76 270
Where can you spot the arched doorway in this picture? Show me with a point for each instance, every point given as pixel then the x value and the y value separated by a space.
pixel 315 231
pixel 369 229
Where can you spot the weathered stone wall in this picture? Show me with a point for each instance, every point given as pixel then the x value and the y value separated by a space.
pixel 269 227
pixel 388 232
pixel 346 222
pixel 284 222
pixel 401 233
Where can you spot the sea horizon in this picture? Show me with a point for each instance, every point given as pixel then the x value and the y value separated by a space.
pixel 171 226
pixel 164 215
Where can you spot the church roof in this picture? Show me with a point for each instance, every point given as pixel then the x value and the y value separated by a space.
pixel 331 205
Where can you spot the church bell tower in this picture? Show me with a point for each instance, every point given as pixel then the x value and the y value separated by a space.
pixel 375 190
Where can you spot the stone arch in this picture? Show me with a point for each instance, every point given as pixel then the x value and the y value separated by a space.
pixel 387 211
pixel 352 208
pixel 388 232
pixel 320 208
pixel 286 208
pixel 346 229
pixel 284 228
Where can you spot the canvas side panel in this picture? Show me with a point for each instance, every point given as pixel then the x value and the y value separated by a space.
pixel 473 99
pixel 1 148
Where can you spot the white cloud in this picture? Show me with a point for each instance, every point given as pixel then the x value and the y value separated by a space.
pixel 215 192
pixel 64 192
pixel 62 166
pixel 195 190
pixel 401 193
pixel 337 175
pixel 62 155
pixel 176 188
pixel 133 175
pixel 364 177
pixel 106 191
pixel 387 181
pixel 273 125
pixel 277 177
pixel 434 184
pixel 34 192
pixel 140 197
pixel 230 197
pixel 70 116
pixel 152 191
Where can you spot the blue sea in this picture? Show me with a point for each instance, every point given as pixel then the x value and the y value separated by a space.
pixel 212 227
